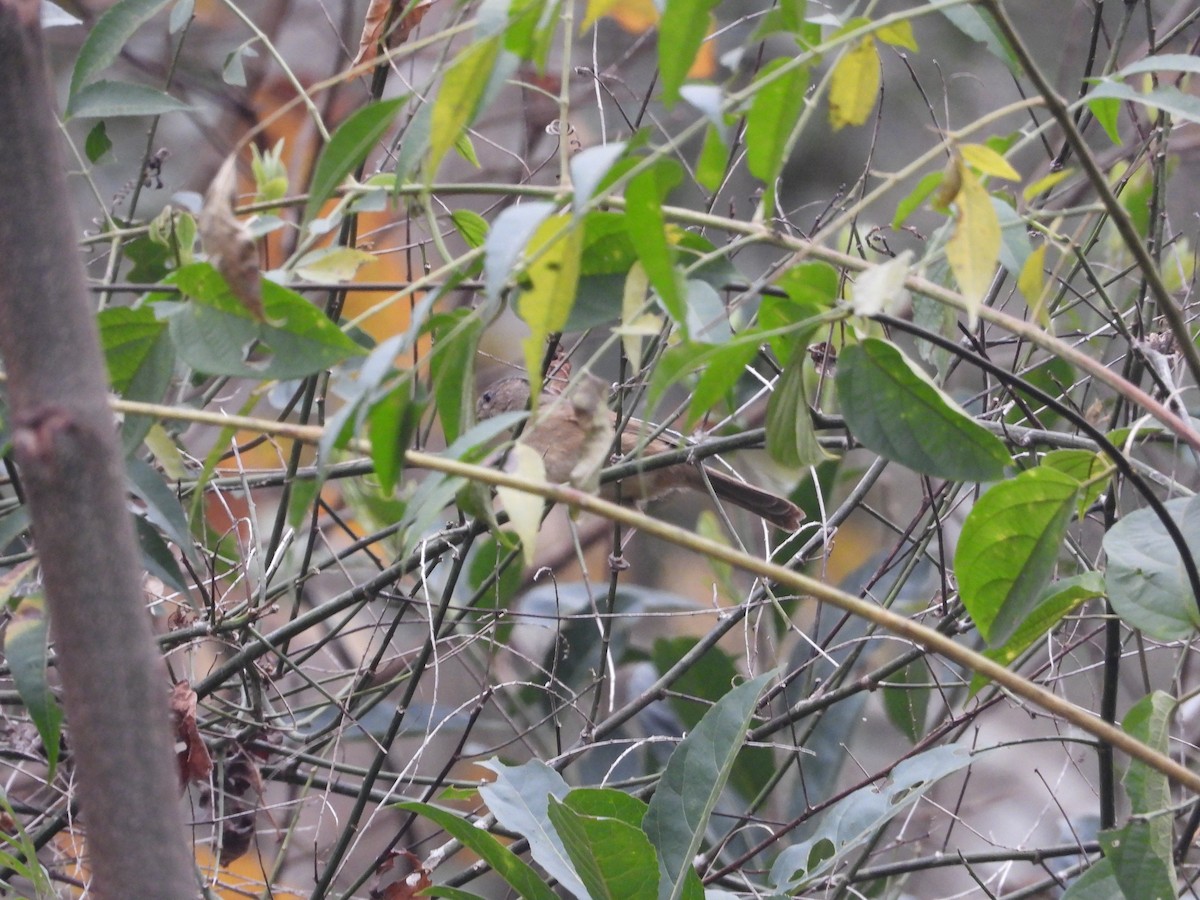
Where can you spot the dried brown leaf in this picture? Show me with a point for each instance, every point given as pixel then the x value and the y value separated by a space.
pixel 228 243
pixel 375 24
pixel 195 764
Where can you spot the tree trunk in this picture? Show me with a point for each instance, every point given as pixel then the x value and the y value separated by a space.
pixel 64 440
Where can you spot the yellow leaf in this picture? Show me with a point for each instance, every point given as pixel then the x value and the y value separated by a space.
pixel 1032 284
pixel 1044 184
pixel 553 277
pixel 854 85
pixel 974 247
pixel 899 34
pixel 988 161
pixel 332 263
pixel 524 509
pixel 596 9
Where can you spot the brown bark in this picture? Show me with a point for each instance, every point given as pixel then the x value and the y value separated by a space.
pixel 114 682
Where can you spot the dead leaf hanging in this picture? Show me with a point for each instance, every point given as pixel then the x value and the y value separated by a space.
pixel 228 243
pixel 378 33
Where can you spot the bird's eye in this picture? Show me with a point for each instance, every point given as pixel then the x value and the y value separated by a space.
pixel 486 397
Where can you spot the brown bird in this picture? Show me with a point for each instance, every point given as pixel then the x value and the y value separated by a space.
pixel 564 429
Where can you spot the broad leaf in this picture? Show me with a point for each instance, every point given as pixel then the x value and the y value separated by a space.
pixel 1008 548
pixel 859 816
pixel 647 229
pixel 114 99
pixel 347 148
pixel 214 333
pixel 773 114
pixel 894 409
pixel 519 799
pixel 519 875
pixel 107 38
pixel 1146 583
pixel 614 859
pixel 694 778
pixel 459 97
pixel 1057 600
pixel 681 31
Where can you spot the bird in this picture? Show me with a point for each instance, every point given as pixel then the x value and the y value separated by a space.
pixel 566 427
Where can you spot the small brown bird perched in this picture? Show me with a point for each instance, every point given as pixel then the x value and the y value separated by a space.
pixel 564 426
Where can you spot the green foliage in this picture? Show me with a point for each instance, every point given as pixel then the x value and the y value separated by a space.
pixel 824 274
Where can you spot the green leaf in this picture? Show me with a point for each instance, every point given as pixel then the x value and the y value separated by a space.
pixel 141 362
pixel 452 367
pixel 25 651
pixel 519 799
pixel 1146 584
pixel 115 99
pixel 347 148
pixel 982 28
pixel 1141 852
pixel 717 379
pixel 705 682
pixel 693 780
pixel 906 699
pixel 791 437
pixel 894 409
pixel 773 114
pixel 520 876
pixel 1169 99
pixel 459 98
pixel 391 423
pixel 1107 110
pixel 906 207
pixel 858 817
pixel 472 227
pixel 644 197
pixel 1008 548
pixel 1140 864
pixel 1057 600
pixel 608 803
pixel 1092 470
pixel 681 31
pixel 214 333
pixel 107 38
pixel 614 859
pixel 97 142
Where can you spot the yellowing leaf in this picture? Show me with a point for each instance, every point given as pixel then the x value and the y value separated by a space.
pixel 635 323
pixel 988 161
pixel 332 264
pixel 1044 184
pixel 555 248
pixel 974 248
pixel 1032 284
pixel 899 34
pixel 854 85
pixel 458 100
pixel 524 509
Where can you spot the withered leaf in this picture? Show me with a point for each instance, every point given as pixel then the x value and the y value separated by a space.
pixel 228 243
pixel 195 764
pixel 376 22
